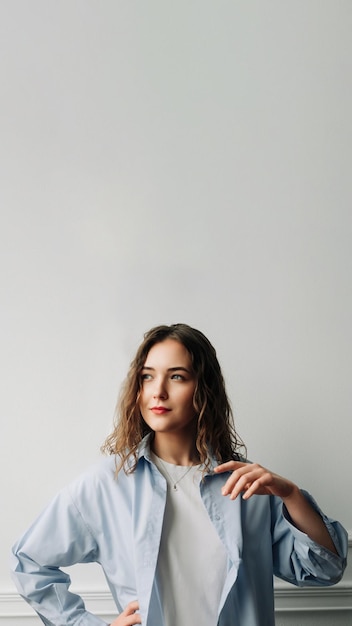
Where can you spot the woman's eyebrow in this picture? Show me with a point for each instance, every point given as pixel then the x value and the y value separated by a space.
pixel 170 369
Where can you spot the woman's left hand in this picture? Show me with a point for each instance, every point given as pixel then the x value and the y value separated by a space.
pixel 251 478
pixel 254 479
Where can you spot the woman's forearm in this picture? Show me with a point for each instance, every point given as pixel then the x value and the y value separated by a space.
pixel 306 519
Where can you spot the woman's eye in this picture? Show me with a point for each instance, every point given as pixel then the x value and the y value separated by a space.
pixel 177 377
pixel 146 376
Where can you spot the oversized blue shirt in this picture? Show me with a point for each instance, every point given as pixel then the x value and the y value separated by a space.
pixel 117 522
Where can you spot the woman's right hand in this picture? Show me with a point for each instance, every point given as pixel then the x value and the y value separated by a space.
pixel 128 617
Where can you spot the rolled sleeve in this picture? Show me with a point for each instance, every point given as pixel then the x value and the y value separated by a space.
pixel 300 560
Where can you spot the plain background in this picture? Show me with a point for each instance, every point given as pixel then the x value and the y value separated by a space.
pixel 166 162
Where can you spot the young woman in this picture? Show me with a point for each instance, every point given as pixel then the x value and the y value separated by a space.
pixel 186 531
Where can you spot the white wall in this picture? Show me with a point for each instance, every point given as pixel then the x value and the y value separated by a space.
pixel 166 162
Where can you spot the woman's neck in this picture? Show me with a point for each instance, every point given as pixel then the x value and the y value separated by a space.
pixel 176 450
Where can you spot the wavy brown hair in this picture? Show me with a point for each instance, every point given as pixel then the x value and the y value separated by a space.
pixel 216 434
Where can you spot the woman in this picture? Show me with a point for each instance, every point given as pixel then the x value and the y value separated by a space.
pixel 184 528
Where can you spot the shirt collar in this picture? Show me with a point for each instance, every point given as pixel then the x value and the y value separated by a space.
pixel 144 453
pixel 144 448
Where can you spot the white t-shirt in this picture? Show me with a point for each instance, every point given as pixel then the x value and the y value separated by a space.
pixel 192 562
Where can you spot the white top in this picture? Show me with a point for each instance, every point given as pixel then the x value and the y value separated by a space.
pixel 192 562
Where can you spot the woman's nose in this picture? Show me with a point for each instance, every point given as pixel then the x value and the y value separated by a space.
pixel 160 390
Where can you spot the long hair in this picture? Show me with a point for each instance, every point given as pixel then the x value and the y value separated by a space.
pixel 216 435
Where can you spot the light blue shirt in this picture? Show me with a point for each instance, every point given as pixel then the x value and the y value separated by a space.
pixel 117 522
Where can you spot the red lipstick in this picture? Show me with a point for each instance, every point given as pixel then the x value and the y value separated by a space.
pixel 159 410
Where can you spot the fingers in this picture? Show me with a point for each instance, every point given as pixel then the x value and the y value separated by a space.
pixel 246 478
pixel 131 607
pixel 235 483
pixel 243 479
pixel 250 479
pixel 128 617
pixel 229 466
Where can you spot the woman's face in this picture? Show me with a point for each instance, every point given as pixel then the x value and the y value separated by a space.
pixel 167 390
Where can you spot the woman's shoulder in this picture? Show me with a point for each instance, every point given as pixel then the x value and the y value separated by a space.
pixel 96 476
pixel 108 473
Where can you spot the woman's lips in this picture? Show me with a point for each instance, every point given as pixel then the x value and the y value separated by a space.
pixel 159 410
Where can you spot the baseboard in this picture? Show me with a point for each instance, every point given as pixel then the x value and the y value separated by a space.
pixel 318 599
